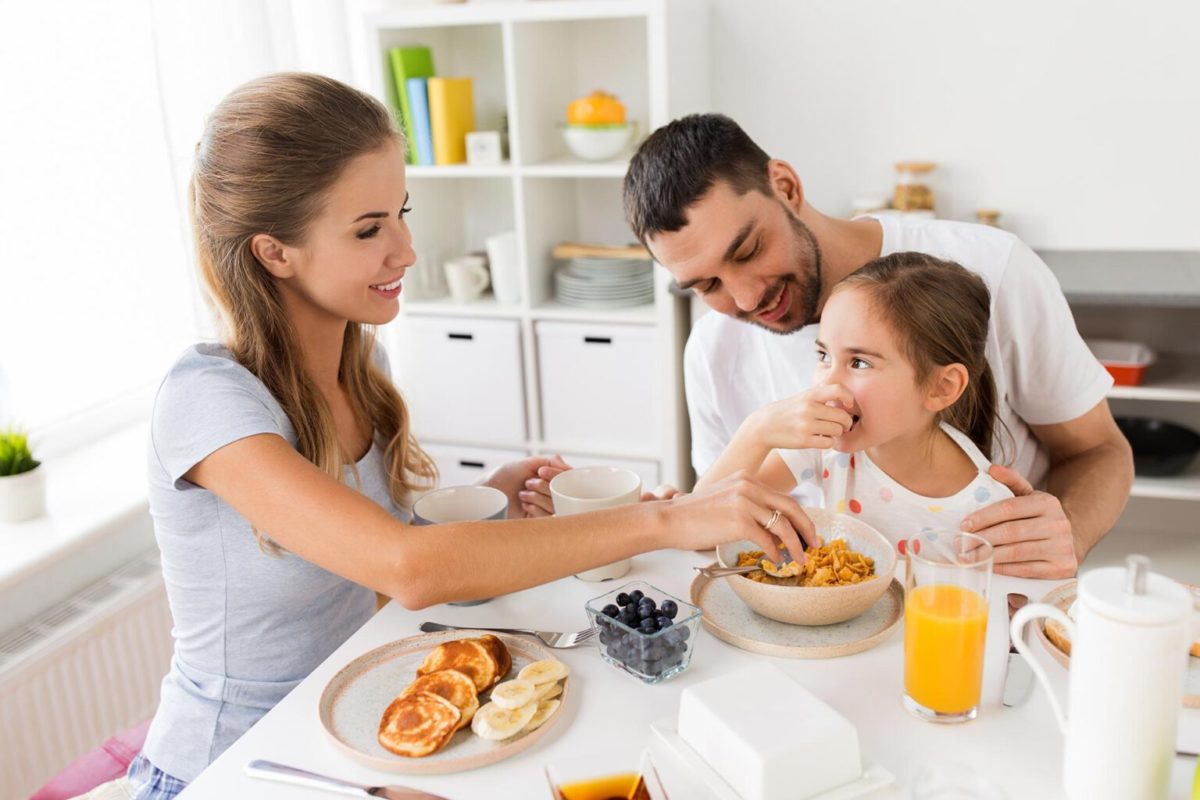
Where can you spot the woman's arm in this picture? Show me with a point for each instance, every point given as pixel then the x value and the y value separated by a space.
pixel 329 524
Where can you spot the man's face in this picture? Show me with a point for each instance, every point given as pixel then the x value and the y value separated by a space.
pixel 748 257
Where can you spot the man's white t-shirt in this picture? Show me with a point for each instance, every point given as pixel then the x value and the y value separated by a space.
pixel 1044 372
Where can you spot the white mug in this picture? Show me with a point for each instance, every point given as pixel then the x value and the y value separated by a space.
pixel 502 261
pixel 467 277
pixel 1129 651
pixel 578 491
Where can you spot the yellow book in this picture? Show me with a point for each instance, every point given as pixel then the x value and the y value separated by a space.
pixel 451 118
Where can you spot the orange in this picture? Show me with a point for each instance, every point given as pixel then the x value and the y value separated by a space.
pixel 598 108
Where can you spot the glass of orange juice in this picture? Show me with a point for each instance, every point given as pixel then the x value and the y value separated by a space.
pixel 945 624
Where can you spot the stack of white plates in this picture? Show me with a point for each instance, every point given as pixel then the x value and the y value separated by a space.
pixel 604 283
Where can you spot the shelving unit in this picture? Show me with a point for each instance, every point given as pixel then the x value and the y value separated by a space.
pixel 1151 298
pixel 527 62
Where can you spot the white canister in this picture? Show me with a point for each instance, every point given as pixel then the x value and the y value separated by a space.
pixel 1129 650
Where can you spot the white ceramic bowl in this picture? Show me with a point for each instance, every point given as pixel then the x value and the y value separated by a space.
pixel 818 605
pixel 597 143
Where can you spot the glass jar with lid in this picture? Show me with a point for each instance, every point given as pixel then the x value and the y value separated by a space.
pixel 912 191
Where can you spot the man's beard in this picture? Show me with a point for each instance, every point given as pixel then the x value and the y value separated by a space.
pixel 805 301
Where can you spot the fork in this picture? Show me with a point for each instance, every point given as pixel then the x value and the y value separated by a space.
pixel 269 770
pixel 555 639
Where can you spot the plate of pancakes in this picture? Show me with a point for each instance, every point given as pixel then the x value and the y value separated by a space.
pixel 444 702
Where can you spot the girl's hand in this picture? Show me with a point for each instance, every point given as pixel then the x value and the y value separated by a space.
pixel 527 485
pixel 806 421
pixel 736 508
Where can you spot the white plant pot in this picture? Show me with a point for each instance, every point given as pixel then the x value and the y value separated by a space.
pixel 23 496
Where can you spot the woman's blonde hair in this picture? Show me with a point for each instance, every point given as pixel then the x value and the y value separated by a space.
pixel 271 151
pixel 940 310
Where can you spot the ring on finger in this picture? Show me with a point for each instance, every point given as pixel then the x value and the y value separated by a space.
pixel 774 518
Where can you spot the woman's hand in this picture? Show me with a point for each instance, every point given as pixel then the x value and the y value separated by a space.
pixel 663 492
pixel 527 485
pixel 806 421
pixel 740 508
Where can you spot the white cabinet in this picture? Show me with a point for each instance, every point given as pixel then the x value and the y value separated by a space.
pixel 461 466
pixel 527 61
pixel 463 379
pixel 609 401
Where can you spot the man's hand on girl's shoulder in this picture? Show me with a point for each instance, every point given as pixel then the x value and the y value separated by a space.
pixel 1030 531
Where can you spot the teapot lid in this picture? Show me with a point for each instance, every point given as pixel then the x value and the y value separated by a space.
pixel 1134 594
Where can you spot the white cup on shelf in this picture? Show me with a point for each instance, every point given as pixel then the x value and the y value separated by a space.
pixel 467 277
pixel 502 260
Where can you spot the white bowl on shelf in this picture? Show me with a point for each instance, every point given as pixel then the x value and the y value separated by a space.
pixel 598 142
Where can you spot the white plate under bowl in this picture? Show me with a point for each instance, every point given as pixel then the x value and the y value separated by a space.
pixel 354 700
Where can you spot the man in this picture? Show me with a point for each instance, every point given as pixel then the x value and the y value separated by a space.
pixel 733 225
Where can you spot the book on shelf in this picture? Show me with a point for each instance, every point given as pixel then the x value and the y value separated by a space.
pixel 418 102
pixel 408 62
pixel 451 118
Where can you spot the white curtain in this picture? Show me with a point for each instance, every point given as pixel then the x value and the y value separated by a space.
pixel 103 105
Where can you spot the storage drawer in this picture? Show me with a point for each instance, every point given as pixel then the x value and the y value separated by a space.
pixel 462 466
pixel 463 379
pixel 597 384
pixel 646 470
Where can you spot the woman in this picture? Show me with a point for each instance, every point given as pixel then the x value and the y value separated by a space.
pixel 282 460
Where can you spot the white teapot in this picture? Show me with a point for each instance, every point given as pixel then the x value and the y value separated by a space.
pixel 1129 650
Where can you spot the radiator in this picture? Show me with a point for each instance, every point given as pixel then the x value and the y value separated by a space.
pixel 79 673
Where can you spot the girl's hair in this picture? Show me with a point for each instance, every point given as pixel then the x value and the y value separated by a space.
pixel 940 311
pixel 271 150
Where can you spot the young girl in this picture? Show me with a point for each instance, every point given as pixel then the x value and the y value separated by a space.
pixel 281 460
pixel 899 427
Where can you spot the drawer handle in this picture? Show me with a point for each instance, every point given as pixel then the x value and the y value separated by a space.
pixel 597 340
pixel 472 464
pixel 465 336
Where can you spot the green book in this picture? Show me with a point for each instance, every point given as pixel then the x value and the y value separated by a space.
pixel 408 62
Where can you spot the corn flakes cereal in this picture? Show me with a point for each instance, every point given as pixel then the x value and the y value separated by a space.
pixel 832 564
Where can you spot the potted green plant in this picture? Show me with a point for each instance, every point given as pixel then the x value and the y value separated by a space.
pixel 22 482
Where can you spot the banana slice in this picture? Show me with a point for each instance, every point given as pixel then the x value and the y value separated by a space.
pixel 496 723
pixel 548 690
pixel 513 694
pixel 544 709
pixel 547 670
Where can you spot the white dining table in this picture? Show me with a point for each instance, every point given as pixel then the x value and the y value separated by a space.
pixel 610 712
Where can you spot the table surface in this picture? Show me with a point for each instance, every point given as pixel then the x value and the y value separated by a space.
pixel 610 712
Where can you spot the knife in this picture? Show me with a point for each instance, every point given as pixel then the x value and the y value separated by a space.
pixel 1018 678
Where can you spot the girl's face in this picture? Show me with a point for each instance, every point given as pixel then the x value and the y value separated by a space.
pixel 359 246
pixel 858 350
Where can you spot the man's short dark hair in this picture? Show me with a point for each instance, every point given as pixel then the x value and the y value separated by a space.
pixel 680 162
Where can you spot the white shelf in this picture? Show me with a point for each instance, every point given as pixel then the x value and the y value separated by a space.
pixel 570 167
pixel 410 16
pixel 553 310
pixel 1171 378
pixel 648 453
pixel 504 170
pixel 484 307
pixel 1177 487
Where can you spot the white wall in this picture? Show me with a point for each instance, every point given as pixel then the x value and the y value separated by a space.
pixel 1079 120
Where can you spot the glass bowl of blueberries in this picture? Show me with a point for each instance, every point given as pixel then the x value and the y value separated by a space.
pixel 644 631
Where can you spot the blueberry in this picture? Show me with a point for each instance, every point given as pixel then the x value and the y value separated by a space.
pixel 645 612
pixel 647 626
pixel 646 602
pixel 636 596
pixel 669 608
pixel 682 632
pixel 663 621
pixel 622 599
pixel 654 652
pixel 653 668
pixel 630 616
pixel 611 610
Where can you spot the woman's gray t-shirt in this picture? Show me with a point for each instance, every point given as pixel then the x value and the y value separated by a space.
pixel 248 626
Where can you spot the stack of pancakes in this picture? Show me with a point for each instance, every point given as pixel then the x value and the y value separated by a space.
pixel 444 697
